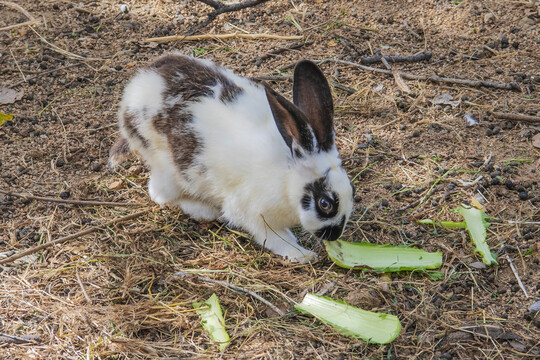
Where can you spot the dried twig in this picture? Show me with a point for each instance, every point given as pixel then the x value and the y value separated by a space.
pixel 284 77
pixel 433 78
pixel 71 202
pixel 12 5
pixel 72 236
pixel 282 50
pixel 517 276
pixel 222 36
pixel 233 287
pixel 24 339
pixel 517 117
pixel 221 8
pixel 44 73
pixel 62 51
pixel 426 55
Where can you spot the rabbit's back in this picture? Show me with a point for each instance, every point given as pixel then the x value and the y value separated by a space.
pixel 215 128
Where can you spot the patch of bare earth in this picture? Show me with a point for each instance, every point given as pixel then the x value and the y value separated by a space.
pixel 109 294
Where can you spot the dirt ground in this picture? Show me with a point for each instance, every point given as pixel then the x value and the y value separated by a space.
pixel 110 295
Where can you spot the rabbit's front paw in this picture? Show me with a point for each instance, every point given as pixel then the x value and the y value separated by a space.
pixel 302 256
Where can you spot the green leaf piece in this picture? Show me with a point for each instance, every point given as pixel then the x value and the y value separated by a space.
pixel 385 258
pixel 377 328
pixel 212 320
pixel 446 224
pixel 476 226
pixel 4 118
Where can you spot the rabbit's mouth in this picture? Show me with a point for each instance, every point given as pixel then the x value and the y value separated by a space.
pixel 331 232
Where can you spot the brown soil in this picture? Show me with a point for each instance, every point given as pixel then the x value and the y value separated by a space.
pixel 109 294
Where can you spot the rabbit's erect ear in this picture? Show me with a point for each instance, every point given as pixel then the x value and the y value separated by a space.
pixel 291 123
pixel 312 95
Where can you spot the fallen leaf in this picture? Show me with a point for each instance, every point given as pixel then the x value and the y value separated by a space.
pixel 9 96
pixel 470 120
pixel 445 99
pixel 535 306
pixel 115 185
pixel 401 84
pixel 4 118
pixel 536 140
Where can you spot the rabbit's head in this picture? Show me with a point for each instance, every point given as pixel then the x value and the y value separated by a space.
pixel 318 183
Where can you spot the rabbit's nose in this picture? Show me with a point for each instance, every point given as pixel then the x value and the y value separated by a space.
pixel 331 232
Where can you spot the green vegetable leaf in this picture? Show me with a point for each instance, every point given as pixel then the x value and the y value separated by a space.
pixel 446 224
pixel 4 118
pixel 212 320
pixel 476 226
pixel 386 258
pixel 377 328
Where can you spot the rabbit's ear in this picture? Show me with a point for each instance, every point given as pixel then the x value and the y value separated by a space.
pixel 291 123
pixel 312 95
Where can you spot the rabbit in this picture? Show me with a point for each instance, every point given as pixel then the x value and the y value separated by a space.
pixel 221 146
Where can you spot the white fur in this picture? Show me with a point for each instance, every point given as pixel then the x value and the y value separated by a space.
pixel 244 172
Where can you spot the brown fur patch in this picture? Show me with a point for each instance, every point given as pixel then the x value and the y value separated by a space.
pixel 119 152
pixel 129 124
pixel 183 142
pixel 193 79
pixel 187 80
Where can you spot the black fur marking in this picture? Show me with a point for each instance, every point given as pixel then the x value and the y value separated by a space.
pixel 312 95
pixel 317 190
pixel 332 232
pixel 306 201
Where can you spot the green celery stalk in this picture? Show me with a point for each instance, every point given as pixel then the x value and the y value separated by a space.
pixel 212 320
pixel 386 258
pixel 377 328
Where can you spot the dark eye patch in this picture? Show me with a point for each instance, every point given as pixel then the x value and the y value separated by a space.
pixel 326 201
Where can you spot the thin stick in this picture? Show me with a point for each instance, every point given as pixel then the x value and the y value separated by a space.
pixel 223 36
pixel 14 26
pixel 72 236
pixel 82 287
pixel 433 78
pixel 25 339
pixel 62 51
pixel 221 8
pixel 233 287
pixel 17 64
pixel 517 276
pixel 426 55
pixel 285 77
pixel 18 7
pixel 282 50
pixel 45 73
pixel 517 117
pixel 71 202
pixel 32 20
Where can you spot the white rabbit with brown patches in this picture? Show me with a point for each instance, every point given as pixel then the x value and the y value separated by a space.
pixel 222 146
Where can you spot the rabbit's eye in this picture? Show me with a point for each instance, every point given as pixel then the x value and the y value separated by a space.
pixel 325 205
